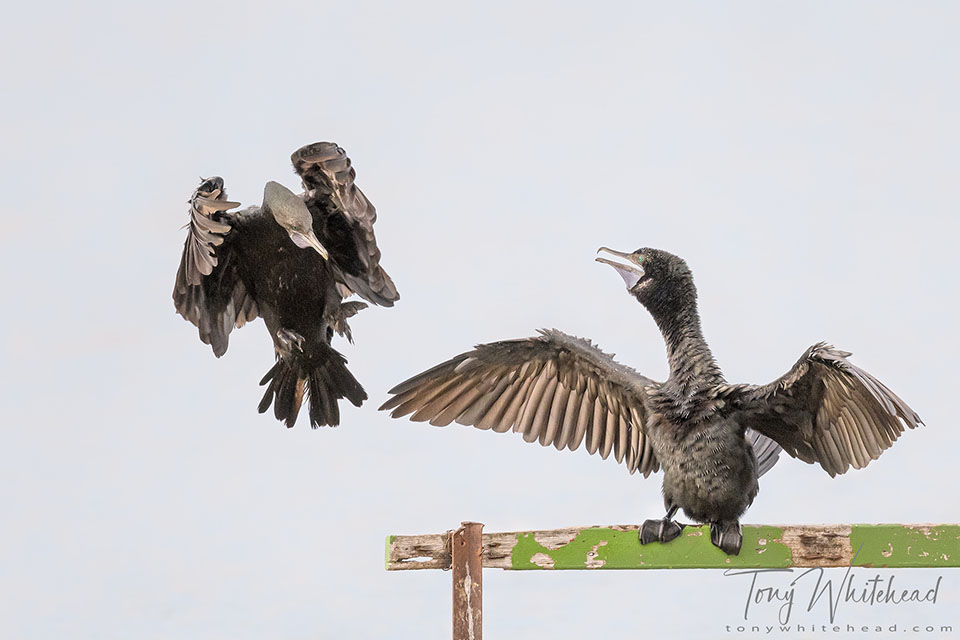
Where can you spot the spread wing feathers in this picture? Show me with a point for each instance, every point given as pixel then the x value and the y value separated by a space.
pixel 827 410
pixel 554 389
pixel 208 291
pixel 765 449
pixel 343 219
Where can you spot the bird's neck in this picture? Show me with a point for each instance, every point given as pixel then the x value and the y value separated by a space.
pixel 692 367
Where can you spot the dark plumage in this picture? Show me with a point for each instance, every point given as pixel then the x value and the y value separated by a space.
pixel 712 439
pixel 290 261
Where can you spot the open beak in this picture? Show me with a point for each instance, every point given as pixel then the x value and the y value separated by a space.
pixel 631 272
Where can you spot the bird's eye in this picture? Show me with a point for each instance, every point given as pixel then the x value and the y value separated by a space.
pixel 639 259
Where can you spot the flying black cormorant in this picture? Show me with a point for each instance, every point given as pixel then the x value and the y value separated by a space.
pixel 291 261
pixel 712 439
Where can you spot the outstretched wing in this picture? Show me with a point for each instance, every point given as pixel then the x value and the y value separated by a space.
pixel 766 450
pixel 555 389
pixel 343 219
pixel 826 410
pixel 208 290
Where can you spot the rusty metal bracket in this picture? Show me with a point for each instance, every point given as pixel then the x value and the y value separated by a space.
pixel 466 547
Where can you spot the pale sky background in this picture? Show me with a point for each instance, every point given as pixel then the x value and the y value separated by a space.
pixel 803 158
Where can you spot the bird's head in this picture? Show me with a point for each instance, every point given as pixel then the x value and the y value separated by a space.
pixel 292 214
pixel 660 281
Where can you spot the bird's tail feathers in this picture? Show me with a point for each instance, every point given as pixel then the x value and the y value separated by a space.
pixel 316 372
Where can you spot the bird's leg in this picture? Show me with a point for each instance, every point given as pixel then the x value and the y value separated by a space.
pixel 727 536
pixel 661 530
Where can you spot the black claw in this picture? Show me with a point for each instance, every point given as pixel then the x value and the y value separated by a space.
pixel 727 537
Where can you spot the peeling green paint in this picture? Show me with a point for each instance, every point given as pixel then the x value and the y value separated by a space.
pixel 881 546
pixel 386 555
pixel 606 548
pixel 895 546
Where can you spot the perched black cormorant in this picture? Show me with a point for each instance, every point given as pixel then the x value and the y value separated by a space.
pixel 291 261
pixel 712 439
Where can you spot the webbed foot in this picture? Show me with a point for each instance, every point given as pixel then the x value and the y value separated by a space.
pixel 339 319
pixel 727 537
pixel 659 531
pixel 288 342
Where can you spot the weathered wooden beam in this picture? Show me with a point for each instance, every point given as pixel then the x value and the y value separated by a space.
pixel 466 547
pixel 617 547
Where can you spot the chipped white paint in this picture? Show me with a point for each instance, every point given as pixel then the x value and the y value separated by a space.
pixel 467 588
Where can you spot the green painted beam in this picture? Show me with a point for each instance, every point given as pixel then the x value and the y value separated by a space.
pixel 885 545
